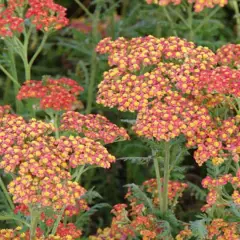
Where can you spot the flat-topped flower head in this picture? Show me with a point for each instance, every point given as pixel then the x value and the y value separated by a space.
pixel 93 126
pixel 58 94
pixel 229 55
pixel 80 151
pixel 175 189
pixel 10 23
pixel 167 119
pixel 199 5
pixel 46 192
pixel 47 15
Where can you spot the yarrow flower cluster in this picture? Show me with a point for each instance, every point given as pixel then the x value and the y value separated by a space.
pixel 45 15
pixel 57 94
pixel 175 93
pixel 93 126
pixel 215 187
pixel 134 219
pixel 42 162
pixel 199 5
pixel 68 232
pixel 228 55
pixel 175 190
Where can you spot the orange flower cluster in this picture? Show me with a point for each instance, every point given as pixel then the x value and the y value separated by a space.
pixel 93 126
pixel 215 187
pixel 229 55
pixel 173 85
pixel 4 110
pixel 167 119
pixel 175 190
pixel 122 227
pixel 45 15
pixel 217 141
pixel 42 163
pixel 134 220
pixel 221 230
pixel 185 234
pixel 199 5
pixel 58 94
pixel 142 74
pixel 68 232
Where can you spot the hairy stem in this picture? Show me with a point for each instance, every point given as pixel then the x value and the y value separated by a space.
pixel 34 222
pixel 7 196
pixel 166 176
pixel 93 60
pixel 159 184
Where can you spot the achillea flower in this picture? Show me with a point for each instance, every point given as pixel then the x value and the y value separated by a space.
pixel 175 189
pixel 47 15
pixel 68 232
pixel 46 192
pixel 222 230
pixel 199 5
pixel 80 151
pixel 4 110
pixel 223 80
pixel 213 185
pixel 130 92
pixel 228 55
pixel 146 68
pixel 218 141
pixel 10 23
pixel 93 126
pixel 185 234
pixel 58 94
pixel 167 119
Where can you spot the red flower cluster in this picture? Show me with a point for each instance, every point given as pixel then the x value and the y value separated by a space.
pixel 58 94
pixel 167 119
pixel 215 187
pixel 47 15
pixel 175 190
pixel 4 110
pixel 221 230
pixel 68 232
pixel 93 126
pixel 134 219
pixel 10 23
pixel 42 163
pixel 229 55
pixel 199 5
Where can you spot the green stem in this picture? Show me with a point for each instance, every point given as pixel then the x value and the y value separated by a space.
pixel 93 60
pixel 237 16
pixel 84 8
pixel 190 22
pixel 159 184
pixel 3 187
pixel 124 7
pixel 166 176
pixel 80 172
pixel 206 19
pixel 170 20
pixel 54 230
pixel 34 222
pixel 5 71
pixel 55 122
pixel 36 54
pixel 13 68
